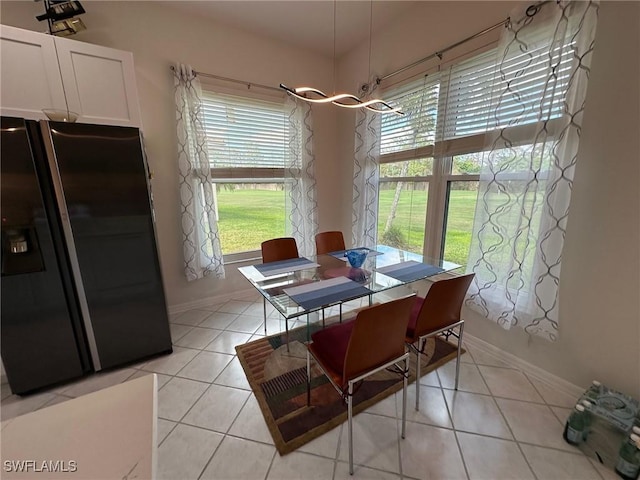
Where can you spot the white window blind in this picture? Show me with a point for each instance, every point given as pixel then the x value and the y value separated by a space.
pixel 468 98
pixel 244 132
pixel 416 128
pixel 475 90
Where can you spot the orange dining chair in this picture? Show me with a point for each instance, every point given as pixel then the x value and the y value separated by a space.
pixel 349 352
pixel 274 250
pixel 329 242
pixel 437 314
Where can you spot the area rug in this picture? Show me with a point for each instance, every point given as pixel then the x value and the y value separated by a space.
pixel 278 379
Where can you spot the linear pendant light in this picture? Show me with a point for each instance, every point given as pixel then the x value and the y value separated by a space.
pixel 344 100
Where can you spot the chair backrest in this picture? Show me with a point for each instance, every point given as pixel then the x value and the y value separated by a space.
pixel 377 336
pixel 279 249
pixel 442 305
pixel 329 242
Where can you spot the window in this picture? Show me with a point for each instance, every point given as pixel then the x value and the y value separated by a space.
pixel 247 146
pixel 431 157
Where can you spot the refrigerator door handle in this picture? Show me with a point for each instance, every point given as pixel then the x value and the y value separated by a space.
pixel 68 234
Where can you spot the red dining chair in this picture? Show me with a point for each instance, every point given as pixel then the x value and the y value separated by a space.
pixel 329 242
pixel 274 250
pixel 437 314
pixel 349 352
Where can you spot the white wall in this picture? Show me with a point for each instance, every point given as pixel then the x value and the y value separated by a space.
pixel 600 286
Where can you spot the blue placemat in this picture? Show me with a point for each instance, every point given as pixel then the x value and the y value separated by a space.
pixel 284 266
pixel 410 271
pixel 326 292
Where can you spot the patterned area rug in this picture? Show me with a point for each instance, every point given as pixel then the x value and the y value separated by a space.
pixel 279 381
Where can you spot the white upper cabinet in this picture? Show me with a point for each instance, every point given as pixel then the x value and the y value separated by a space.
pixel 30 74
pixel 41 71
pixel 100 83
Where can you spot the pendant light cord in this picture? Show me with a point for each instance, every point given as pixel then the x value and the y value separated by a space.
pixel 370 36
pixel 334 47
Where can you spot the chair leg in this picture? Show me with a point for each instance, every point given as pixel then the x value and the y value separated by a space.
pixel 308 378
pixel 405 382
pixel 264 309
pixel 420 341
pixel 458 359
pixel 350 414
pixel 323 318
pixel 340 316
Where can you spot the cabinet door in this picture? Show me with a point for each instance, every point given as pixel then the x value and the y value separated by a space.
pixel 99 82
pixel 30 78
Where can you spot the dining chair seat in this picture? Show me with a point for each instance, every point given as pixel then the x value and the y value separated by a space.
pixel 331 345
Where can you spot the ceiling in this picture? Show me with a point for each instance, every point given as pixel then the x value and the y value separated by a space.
pixel 308 24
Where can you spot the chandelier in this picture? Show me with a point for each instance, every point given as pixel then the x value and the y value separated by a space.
pixel 344 100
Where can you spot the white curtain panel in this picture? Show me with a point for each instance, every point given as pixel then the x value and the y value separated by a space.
pixel 300 181
pixel 366 177
pixel 200 240
pixel 528 167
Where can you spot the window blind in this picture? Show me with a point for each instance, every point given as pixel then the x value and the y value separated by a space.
pixel 244 132
pixel 474 90
pixel 416 128
pixel 468 98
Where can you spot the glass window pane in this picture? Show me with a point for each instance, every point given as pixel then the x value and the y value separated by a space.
pixel 409 168
pixel 459 222
pixel 401 215
pixel 468 164
pixel 249 214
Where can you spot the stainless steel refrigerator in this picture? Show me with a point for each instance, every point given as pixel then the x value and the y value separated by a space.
pixel 81 284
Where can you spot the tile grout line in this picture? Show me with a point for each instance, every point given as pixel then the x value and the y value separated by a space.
pixel 510 430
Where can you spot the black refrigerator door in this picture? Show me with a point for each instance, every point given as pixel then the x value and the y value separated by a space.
pixel 103 179
pixel 42 338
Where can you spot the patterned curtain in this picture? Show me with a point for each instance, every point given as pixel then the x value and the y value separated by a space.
pixel 300 181
pixel 366 176
pixel 200 240
pixel 528 167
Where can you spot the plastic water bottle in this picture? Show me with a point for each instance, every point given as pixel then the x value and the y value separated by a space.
pixel 594 391
pixel 575 426
pixel 628 464
pixel 588 417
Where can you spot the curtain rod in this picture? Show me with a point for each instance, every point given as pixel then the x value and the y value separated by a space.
pixel 530 12
pixel 233 80
pixel 440 52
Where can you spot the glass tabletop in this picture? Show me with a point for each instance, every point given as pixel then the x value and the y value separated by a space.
pixel 385 268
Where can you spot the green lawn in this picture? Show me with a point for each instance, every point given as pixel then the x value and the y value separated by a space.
pixel 249 216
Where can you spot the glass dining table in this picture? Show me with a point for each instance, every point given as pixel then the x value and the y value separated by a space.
pixel 305 285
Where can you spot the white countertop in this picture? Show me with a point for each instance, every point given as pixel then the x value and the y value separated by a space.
pixel 107 434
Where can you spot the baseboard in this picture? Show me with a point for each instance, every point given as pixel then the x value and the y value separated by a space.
pixel 554 381
pixel 201 302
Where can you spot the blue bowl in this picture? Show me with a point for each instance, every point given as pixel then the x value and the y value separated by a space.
pixel 356 257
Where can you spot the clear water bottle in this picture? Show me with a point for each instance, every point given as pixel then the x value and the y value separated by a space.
pixel 628 464
pixel 594 391
pixel 576 425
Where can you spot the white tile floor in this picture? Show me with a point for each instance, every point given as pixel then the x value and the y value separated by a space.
pixel 500 424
